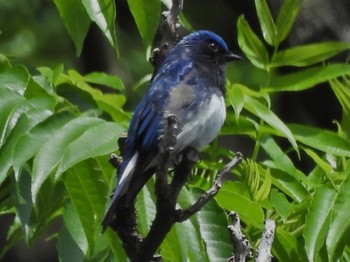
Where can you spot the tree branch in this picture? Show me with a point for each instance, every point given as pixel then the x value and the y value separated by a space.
pixel 265 246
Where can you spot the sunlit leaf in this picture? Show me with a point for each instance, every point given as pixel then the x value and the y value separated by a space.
pixel 307 78
pixel 324 140
pixel 251 45
pixel 286 18
pixel 306 55
pixel 266 21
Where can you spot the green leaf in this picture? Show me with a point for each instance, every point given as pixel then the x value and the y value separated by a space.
pixel 310 54
pixel 317 221
pixel 342 90
pixel 281 204
pixel 103 13
pixel 72 244
pixel 104 79
pixel 146 15
pixel 95 141
pixel 266 21
pixel 263 112
pixel 307 78
pixel 281 160
pixel 236 98
pixel 15 78
pixel 213 229
pixel 340 222
pixel 324 140
pixel 286 18
pixel 230 198
pixel 52 151
pixel 75 19
pixel 251 45
pixel 286 247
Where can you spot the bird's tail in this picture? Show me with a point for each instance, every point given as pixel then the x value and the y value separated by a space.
pixel 127 172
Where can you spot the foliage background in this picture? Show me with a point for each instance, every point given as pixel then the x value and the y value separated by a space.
pixel 58 183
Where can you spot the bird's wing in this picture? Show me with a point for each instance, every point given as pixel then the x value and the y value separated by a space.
pixel 141 146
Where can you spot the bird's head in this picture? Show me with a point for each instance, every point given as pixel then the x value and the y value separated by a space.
pixel 206 46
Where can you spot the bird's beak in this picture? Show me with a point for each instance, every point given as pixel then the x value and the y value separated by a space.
pixel 229 56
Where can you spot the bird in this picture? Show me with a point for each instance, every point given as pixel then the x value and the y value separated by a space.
pixel 190 84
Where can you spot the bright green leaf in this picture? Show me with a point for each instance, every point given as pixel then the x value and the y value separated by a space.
pixel 75 19
pixel 324 140
pixel 251 45
pixel 236 98
pixel 104 79
pixel 15 78
pixel 263 112
pixel 286 18
pixel 230 198
pixel 307 78
pixel 281 204
pixel 306 55
pixel 266 21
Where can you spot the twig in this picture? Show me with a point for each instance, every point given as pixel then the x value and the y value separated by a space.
pixel 264 249
pixel 242 248
pixel 220 179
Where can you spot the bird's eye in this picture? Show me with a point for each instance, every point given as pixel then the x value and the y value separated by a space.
pixel 213 47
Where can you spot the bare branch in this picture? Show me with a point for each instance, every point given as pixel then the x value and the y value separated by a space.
pixel 207 196
pixel 265 246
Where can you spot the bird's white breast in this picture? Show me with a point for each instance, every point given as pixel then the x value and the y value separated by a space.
pixel 204 125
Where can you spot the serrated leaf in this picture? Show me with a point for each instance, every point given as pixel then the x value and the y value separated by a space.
pixel 286 18
pixel 103 13
pixel 75 19
pixel 307 78
pixel 317 221
pixel 324 140
pixel 267 24
pixel 309 54
pixel 251 45
pixel 146 15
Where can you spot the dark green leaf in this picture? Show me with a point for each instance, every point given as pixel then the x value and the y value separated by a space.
pixel 251 45
pixel 52 151
pixel 146 15
pixel 75 19
pixel 15 78
pixel 317 221
pixel 340 221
